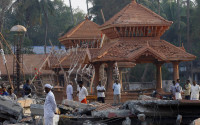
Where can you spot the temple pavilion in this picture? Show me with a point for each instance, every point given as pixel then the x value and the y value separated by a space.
pixel 133 37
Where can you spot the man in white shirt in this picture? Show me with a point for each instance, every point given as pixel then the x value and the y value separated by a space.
pixel 82 92
pixel 194 91
pixel 49 105
pixel 100 93
pixel 178 90
pixel 117 92
pixel 69 91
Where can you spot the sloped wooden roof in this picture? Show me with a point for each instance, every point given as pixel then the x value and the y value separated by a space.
pixel 132 49
pixel 135 14
pixel 31 61
pixel 84 31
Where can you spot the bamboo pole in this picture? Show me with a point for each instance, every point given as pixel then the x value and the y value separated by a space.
pixel 1 35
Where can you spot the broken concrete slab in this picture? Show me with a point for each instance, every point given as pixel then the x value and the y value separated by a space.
pixel 10 110
pixel 37 110
pixel 26 102
pixel 111 113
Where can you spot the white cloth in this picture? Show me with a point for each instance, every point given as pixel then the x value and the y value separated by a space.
pixel 194 92
pixel 49 106
pixel 82 93
pixel 117 88
pixel 69 92
pixel 48 121
pixel 100 94
pixel 48 86
pixel 178 91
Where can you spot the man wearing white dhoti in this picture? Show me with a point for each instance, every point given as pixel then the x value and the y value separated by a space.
pixel 178 90
pixel 70 91
pixel 194 91
pixel 49 105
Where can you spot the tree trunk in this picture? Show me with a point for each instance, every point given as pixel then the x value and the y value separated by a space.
pixel 87 8
pixel 158 7
pixel 179 27
pixel 145 72
pixel 71 12
pixel 46 31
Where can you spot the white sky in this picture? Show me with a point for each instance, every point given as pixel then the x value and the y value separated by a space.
pixel 81 4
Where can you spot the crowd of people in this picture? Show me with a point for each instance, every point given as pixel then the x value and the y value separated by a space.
pixel 189 91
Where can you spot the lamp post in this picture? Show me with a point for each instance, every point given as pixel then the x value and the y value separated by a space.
pixel 19 32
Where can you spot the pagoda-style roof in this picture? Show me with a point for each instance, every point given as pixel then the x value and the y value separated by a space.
pixel 83 31
pixel 139 50
pixel 135 14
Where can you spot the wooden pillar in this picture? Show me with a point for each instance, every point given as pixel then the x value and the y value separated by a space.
pixel 110 76
pixel 175 70
pixel 159 76
pixel 120 78
pixel 96 77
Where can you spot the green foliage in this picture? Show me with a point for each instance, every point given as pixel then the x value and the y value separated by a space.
pixel 34 15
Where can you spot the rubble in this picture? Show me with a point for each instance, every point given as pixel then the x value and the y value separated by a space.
pixel 145 97
pixel 111 113
pixel 10 110
pixel 37 109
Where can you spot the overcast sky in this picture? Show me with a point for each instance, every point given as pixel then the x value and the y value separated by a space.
pixel 81 4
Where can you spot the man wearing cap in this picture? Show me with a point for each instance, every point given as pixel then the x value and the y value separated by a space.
pixel 82 92
pixel 49 105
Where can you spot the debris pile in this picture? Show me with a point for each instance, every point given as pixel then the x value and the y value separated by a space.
pixel 10 110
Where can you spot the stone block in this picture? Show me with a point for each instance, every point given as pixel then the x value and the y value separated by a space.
pixel 37 109
pixel 111 113
pixel 10 109
pixel 26 102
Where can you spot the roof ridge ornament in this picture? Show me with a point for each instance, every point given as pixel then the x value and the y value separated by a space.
pixel 134 1
pixel 86 17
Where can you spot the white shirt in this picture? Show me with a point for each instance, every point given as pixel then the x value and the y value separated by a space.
pixel 100 94
pixel 117 88
pixel 195 92
pixel 49 105
pixel 82 93
pixel 69 92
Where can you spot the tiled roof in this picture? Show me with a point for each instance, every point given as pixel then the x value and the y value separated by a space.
pixel 135 14
pixel 132 49
pixel 31 61
pixel 85 30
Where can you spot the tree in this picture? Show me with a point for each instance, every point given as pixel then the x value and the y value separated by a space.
pixel 4 7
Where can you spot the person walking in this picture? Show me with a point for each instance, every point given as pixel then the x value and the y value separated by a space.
pixel 194 91
pixel 49 105
pixel 69 91
pixel 187 90
pixel 100 93
pixel 82 93
pixel 117 92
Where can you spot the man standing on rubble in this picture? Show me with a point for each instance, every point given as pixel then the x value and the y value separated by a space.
pixel 27 88
pixel 49 105
pixel 82 92
pixel 100 93
pixel 117 92
pixel 70 91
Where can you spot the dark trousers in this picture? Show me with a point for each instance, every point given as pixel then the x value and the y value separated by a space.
pixel 101 99
pixel 187 97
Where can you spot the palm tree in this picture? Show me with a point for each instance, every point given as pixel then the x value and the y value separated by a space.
pixel 71 12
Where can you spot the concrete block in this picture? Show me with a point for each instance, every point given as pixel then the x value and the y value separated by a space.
pixel 37 109
pixel 26 102
pixel 111 113
pixel 10 108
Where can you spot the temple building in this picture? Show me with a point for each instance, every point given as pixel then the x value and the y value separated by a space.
pixel 132 37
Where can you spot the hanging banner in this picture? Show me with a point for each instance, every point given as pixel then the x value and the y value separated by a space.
pixel 3 56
